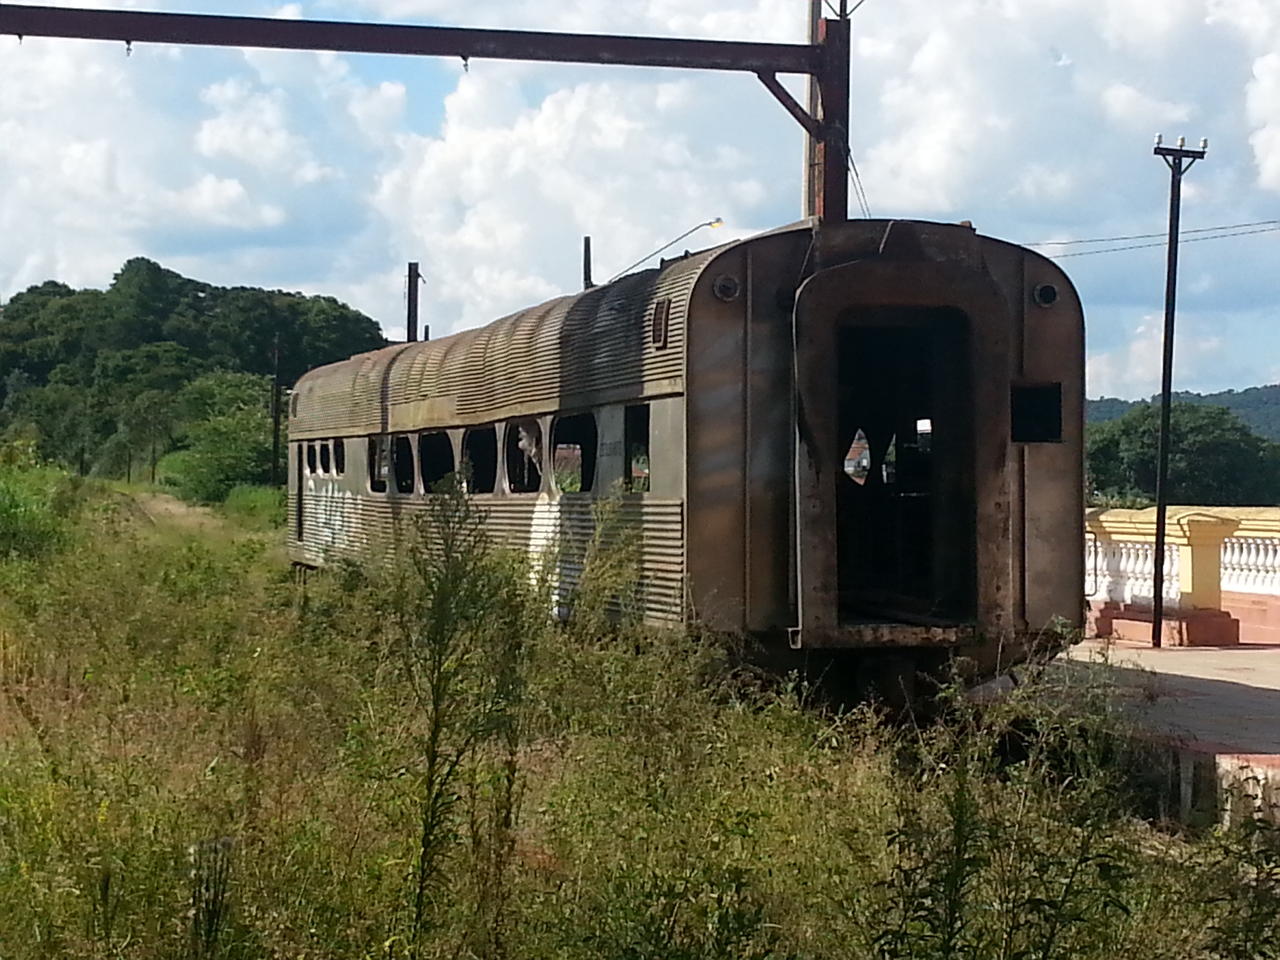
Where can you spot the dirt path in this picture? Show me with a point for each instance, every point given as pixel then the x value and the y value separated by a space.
pixel 163 508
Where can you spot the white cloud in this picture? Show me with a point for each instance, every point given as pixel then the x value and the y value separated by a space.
pixel 1129 107
pixel 497 204
pixel 378 110
pixel 252 126
pixel 224 202
pixel 1264 112
pixel 1040 181
pixel 1132 370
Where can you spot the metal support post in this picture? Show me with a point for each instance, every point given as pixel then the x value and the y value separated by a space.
pixel 411 315
pixel 832 157
pixel 1179 160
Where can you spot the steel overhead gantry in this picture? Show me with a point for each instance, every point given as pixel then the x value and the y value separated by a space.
pixel 826 60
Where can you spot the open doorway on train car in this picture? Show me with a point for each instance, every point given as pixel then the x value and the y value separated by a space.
pixel 905 513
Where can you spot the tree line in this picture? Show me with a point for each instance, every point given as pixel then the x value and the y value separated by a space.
pixel 1215 459
pixel 1257 407
pixel 160 371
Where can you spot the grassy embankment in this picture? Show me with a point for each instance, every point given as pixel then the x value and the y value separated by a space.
pixel 201 758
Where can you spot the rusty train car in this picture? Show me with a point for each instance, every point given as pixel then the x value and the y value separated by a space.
pixel 859 441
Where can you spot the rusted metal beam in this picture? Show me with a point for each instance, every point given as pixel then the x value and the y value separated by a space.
pixel 780 93
pixel 128 26
pixel 827 60
pixel 833 149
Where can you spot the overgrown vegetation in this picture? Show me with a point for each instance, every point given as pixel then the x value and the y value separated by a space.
pixel 37 504
pixel 203 758
pixel 255 506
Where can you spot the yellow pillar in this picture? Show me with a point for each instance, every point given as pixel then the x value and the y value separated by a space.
pixel 1199 544
pixel 1195 533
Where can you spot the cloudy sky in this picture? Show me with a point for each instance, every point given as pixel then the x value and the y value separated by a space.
pixel 325 173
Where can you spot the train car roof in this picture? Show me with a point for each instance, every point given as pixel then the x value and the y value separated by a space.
pixel 577 351
pixel 580 350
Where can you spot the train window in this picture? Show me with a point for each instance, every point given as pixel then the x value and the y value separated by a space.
pixel 573 452
pixel 924 435
pixel 524 455
pixel 480 459
pixel 435 459
pixel 326 464
pixel 889 465
pixel 379 461
pixel 1036 413
pixel 311 458
pixel 339 456
pixel 635 436
pixel 857 459
pixel 402 463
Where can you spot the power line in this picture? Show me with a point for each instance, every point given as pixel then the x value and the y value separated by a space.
pixel 1144 246
pixel 1147 236
pixel 859 192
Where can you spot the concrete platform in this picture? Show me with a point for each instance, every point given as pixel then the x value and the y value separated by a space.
pixel 1218 710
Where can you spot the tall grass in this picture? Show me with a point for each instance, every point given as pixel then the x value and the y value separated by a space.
pixel 37 505
pixel 257 507
pixel 201 757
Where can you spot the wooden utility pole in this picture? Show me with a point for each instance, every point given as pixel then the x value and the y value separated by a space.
pixel 275 411
pixel 1179 160
pixel 812 168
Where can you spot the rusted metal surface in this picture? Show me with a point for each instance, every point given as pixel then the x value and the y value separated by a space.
pixel 583 350
pixel 827 61
pixel 130 26
pixel 880 635
pixel 344 522
pixel 832 155
pixel 745 524
pixel 1026 497
pixel 780 93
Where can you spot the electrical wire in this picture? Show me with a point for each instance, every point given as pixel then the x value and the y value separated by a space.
pixel 1149 236
pixel 1144 246
pixel 859 193
pixel 858 190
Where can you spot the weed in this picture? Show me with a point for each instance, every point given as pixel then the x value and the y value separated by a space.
pixel 255 507
pixel 414 761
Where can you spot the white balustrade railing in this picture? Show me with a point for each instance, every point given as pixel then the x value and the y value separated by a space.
pixel 1123 572
pixel 1251 565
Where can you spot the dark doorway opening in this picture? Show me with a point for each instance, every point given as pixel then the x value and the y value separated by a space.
pixel 904 485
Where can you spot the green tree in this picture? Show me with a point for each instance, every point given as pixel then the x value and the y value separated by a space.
pixel 225 437
pixel 1214 459
pixel 101 377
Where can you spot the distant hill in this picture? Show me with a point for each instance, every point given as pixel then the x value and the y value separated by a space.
pixel 1259 407
pixel 95 377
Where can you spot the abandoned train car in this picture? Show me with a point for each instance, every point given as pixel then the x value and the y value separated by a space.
pixel 860 437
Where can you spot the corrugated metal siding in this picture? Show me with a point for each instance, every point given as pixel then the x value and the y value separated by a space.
pixel 340 525
pixel 581 350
